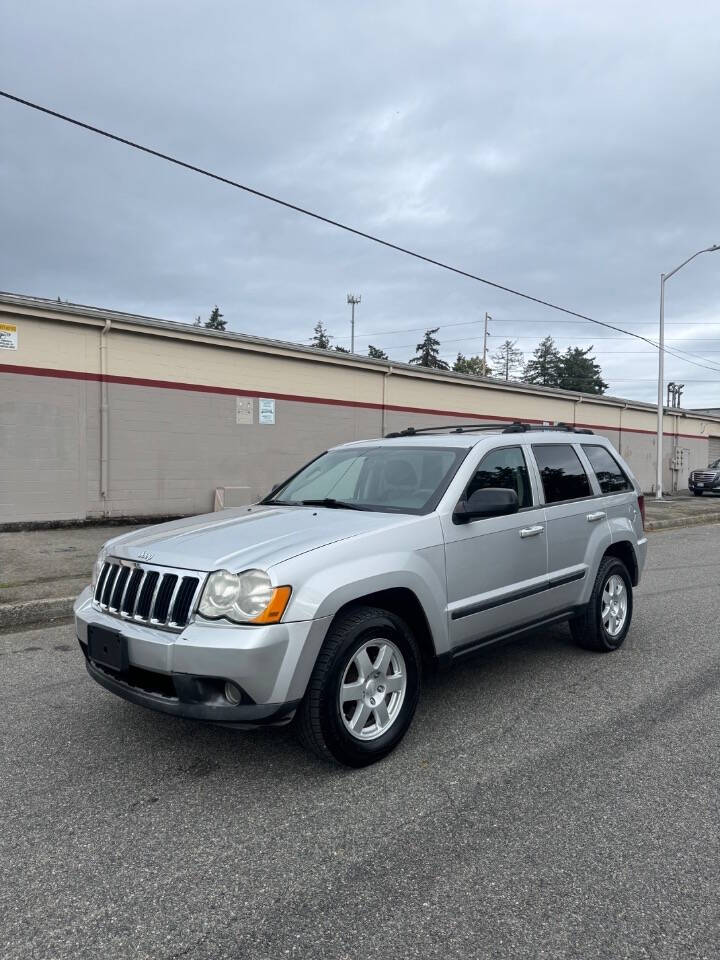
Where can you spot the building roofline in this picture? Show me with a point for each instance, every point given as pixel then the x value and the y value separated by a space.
pixel 78 311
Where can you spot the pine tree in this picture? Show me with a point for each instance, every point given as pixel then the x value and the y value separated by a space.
pixel 579 371
pixel 545 367
pixel 376 353
pixel 508 360
pixel 426 352
pixel 320 338
pixel 215 321
pixel 341 349
pixel 475 366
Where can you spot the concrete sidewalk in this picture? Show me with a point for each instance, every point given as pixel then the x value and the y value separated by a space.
pixel 42 571
pixel 681 510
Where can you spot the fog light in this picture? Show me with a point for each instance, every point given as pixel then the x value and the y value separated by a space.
pixel 232 694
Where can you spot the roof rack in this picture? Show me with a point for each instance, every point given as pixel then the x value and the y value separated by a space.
pixel 516 426
pixel 446 428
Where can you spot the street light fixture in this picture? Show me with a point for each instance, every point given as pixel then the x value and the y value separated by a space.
pixel 661 364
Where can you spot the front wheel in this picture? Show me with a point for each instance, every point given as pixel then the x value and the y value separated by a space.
pixel 605 622
pixel 364 689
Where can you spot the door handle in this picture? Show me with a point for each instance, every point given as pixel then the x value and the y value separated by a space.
pixel 600 515
pixel 531 531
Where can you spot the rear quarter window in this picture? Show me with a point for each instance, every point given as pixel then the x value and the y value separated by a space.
pixel 609 473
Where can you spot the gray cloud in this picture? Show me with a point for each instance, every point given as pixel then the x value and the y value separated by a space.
pixel 567 149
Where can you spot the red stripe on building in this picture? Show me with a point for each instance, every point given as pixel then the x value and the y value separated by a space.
pixel 299 398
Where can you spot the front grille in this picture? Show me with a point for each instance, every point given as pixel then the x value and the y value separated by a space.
pixel 703 476
pixel 156 596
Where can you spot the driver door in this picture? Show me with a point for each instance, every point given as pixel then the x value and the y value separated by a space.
pixel 497 567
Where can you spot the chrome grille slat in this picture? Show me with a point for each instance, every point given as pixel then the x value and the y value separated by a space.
pixel 171 606
pixel 123 589
pixel 143 578
pixel 156 591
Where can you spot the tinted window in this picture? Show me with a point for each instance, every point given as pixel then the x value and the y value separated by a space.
pixel 607 470
pixel 397 479
pixel 506 468
pixel 562 474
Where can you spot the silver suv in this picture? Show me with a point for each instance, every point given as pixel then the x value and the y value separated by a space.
pixel 323 603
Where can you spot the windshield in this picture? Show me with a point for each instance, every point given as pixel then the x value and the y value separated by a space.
pixel 386 479
pixel 715 465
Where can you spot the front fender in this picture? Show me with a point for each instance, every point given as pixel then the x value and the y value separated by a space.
pixel 325 589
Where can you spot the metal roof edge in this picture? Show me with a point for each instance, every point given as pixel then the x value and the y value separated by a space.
pixel 228 337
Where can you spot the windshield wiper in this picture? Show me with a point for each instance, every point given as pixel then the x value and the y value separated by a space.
pixel 332 504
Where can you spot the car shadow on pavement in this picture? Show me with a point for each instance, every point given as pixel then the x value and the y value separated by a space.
pixel 487 682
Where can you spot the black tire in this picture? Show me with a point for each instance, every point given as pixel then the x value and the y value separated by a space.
pixel 588 629
pixel 698 493
pixel 319 721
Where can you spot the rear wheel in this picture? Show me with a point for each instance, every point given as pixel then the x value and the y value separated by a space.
pixel 364 689
pixel 605 622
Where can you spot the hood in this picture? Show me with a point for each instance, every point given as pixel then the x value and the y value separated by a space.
pixel 235 540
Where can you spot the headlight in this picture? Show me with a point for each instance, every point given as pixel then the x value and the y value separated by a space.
pixel 247 597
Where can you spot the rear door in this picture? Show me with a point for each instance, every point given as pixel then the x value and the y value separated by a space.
pixel 496 566
pixel 578 532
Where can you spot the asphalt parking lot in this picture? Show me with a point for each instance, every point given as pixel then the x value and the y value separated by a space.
pixel 547 803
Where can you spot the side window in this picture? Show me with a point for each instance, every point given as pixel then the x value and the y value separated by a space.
pixel 607 470
pixel 563 476
pixel 504 467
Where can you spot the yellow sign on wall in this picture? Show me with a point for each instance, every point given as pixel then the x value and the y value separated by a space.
pixel 8 336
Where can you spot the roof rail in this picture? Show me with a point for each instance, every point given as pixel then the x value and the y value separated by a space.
pixel 515 427
pixel 446 428
pixel 518 427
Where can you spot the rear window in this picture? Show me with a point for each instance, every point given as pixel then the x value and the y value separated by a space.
pixel 608 471
pixel 563 476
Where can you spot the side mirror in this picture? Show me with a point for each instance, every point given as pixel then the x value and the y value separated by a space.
pixel 487 502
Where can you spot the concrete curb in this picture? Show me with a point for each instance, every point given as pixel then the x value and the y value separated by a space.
pixel 653 525
pixel 35 611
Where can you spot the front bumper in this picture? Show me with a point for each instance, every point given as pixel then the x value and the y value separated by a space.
pixel 711 486
pixel 184 673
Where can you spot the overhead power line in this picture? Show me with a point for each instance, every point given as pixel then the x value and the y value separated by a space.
pixel 323 219
pixel 309 213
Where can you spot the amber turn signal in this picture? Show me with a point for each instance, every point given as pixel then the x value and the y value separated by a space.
pixel 276 608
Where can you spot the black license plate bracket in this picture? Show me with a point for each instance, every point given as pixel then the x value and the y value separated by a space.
pixel 108 648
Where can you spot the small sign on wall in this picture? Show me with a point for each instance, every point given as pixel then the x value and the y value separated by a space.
pixel 244 410
pixel 266 410
pixel 8 336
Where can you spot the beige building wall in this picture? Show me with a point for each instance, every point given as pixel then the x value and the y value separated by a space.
pixel 172 426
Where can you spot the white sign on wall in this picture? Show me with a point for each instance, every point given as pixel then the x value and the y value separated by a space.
pixel 8 336
pixel 266 410
pixel 243 410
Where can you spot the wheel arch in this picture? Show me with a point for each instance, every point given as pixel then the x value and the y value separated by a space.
pixel 624 550
pixel 404 603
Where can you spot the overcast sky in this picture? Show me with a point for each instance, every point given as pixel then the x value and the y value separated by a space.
pixel 571 150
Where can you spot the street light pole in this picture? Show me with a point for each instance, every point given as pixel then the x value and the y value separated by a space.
pixel 661 365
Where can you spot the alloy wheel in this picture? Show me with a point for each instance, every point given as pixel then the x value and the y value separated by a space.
pixel 372 689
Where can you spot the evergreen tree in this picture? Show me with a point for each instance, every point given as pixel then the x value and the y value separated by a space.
pixel 426 352
pixel 320 338
pixel 472 365
pixel 376 353
pixel 579 371
pixel 215 321
pixel 508 360
pixel 341 349
pixel 545 367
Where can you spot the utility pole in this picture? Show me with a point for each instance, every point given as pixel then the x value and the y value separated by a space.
pixel 352 300
pixel 485 336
